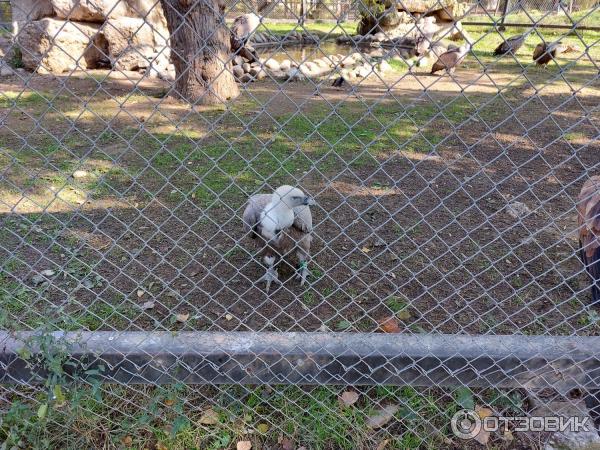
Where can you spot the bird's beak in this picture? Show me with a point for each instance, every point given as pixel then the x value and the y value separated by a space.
pixel 309 201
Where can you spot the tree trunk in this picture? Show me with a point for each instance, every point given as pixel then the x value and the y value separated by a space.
pixel 200 50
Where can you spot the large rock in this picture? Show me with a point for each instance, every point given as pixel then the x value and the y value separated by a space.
pixel 89 10
pixel 24 11
pixel 50 45
pixel 131 43
pixel 101 10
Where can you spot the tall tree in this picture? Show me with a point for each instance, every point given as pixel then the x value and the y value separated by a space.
pixel 200 50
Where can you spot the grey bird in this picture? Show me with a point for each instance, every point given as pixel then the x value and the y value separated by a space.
pixel 450 59
pixel 510 45
pixel 241 30
pixel 281 223
pixel 244 26
pixel 544 53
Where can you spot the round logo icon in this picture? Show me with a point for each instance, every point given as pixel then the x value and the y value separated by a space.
pixel 466 424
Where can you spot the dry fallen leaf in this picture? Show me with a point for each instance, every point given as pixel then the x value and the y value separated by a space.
pixel 161 446
pixel 382 416
pixel 169 402
pixel 483 412
pixel 209 417
pixel 348 398
pixel 244 445
pixel 389 325
pixel 228 317
pixel 365 249
pixel 383 444
pixel 140 293
pixel 182 317
pixel 483 436
pixel 127 440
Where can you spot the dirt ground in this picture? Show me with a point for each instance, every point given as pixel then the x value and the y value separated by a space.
pixel 415 178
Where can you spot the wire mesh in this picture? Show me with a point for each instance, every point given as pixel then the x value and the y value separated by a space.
pixel 442 255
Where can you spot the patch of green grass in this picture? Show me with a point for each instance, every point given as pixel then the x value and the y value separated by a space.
pixel 398 65
pixel 102 314
pixel 27 98
pixel 486 39
pixel 16 305
pixel 309 298
pixel 589 16
pixel 574 136
pixel 396 304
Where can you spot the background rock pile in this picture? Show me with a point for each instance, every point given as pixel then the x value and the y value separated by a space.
pixel 58 36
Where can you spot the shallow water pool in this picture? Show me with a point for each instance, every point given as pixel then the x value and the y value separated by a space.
pixel 299 53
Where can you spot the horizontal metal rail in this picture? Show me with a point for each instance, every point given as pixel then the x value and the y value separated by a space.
pixel 309 358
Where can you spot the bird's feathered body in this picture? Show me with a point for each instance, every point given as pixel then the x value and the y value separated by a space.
pixel 450 59
pixel 588 208
pixel 256 209
pixel 279 228
pixel 338 82
pixel 510 45
pixel 243 26
pixel 544 53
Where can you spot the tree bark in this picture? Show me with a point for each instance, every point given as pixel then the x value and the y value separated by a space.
pixel 200 50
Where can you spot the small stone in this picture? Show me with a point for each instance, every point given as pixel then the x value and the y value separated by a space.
pixel 80 174
pixel 37 279
pixel 272 64
pixel 148 305
pixel 258 73
pixel 285 65
pixel 247 78
pixel 363 72
pixel 47 272
pixel 379 37
pixel 6 70
pixel 237 71
pixel 518 210
pixel 228 317
pixel 384 67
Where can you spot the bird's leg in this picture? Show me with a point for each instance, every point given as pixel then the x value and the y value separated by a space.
pixel 303 271
pixel 271 274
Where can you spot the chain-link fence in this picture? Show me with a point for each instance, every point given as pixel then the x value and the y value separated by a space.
pixel 255 234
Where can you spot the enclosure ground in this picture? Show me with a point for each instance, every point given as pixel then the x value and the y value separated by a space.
pixel 130 197
pixel 120 209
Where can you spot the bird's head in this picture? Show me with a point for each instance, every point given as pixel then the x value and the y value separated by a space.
pixel 292 197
